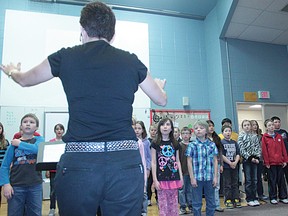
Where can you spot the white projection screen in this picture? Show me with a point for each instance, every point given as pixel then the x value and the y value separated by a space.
pixel 29 37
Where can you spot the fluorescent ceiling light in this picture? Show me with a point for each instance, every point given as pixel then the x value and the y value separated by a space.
pixel 255 106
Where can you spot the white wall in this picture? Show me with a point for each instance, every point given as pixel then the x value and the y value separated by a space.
pixel 271 110
pixel 250 115
pixel 29 37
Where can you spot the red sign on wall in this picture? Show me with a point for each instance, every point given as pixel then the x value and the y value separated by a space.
pixel 264 94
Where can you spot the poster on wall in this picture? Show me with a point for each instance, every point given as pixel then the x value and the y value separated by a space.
pixel 180 118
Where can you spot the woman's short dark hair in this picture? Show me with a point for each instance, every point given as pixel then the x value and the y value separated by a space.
pixel 98 20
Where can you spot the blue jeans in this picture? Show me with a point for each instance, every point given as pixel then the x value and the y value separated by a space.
pixel 112 180
pixel 27 198
pixel 209 192
pixel 250 173
pixel 185 193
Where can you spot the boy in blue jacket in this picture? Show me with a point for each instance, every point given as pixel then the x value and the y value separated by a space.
pixel 22 183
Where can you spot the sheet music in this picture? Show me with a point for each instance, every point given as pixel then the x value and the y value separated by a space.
pixel 52 153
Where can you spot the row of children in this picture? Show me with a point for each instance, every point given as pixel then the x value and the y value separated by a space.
pixel 207 156
pixel 203 159
pixel 22 184
pixel 200 170
pixel 269 149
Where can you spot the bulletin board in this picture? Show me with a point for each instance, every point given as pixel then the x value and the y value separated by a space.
pixel 180 118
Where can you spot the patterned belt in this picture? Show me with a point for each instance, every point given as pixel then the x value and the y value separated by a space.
pixel 101 146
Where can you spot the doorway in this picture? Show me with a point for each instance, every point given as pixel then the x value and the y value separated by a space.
pixel 260 112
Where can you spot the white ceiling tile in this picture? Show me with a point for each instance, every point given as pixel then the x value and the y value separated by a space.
pixel 282 38
pixel 272 20
pixel 245 15
pixel 277 6
pixel 257 4
pixel 235 30
pixel 256 33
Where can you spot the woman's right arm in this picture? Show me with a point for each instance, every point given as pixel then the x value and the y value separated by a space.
pixel 154 89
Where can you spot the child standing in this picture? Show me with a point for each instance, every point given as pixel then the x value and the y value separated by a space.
pixel 250 151
pixel 277 125
pixel 152 133
pixel 212 135
pixel 255 130
pixel 227 121
pixel 142 154
pixel 177 134
pixel 3 148
pixel 202 165
pixel 152 136
pixel 22 183
pixel 141 134
pixel 166 168
pixel 185 193
pixel 59 131
pixel 275 159
pixel 231 157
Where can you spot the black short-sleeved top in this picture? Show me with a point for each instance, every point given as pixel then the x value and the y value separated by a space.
pixel 166 163
pixel 99 81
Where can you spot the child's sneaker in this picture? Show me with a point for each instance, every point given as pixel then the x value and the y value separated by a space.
pixel 219 209
pixel 274 201
pixel 182 211
pixel 229 204
pixel 190 210
pixel 51 212
pixel 285 201
pixel 237 203
pixel 256 203
pixel 251 203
